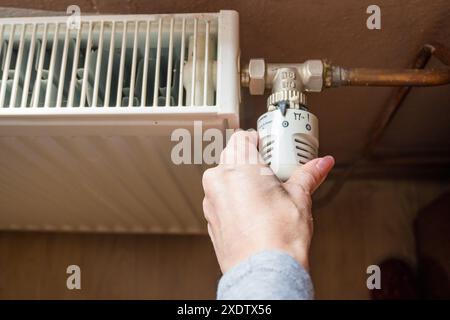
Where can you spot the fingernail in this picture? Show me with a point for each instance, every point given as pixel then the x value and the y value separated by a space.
pixel 325 164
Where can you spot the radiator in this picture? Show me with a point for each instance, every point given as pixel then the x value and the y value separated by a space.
pixel 86 116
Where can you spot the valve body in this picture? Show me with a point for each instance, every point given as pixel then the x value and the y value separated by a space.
pixel 288 132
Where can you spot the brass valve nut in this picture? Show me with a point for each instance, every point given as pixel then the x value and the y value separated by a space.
pixel 257 73
pixel 312 75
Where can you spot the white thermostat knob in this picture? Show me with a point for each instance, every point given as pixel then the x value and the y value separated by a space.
pixel 286 142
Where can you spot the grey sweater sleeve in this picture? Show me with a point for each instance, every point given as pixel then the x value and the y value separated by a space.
pixel 270 275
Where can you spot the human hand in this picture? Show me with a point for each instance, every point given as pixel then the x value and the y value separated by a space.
pixel 248 209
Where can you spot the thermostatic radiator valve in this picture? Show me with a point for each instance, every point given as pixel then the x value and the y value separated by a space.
pixel 288 132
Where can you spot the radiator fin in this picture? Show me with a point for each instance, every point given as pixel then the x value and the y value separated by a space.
pixel 128 63
pixel 88 116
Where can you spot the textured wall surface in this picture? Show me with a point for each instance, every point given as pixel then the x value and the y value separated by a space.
pixel 368 222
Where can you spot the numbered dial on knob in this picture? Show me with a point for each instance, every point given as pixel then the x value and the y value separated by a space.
pixel 288 141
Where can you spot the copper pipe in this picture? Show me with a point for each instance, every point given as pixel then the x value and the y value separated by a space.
pixel 387 115
pixel 385 118
pixel 389 77
pixel 336 76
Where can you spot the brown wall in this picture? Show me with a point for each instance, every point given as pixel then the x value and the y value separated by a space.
pixel 368 222
pixel 33 266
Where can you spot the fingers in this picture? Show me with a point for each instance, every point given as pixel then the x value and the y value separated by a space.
pixel 242 148
pixel 240 135
pixel 211 221
pixel 209 180
pixel 211 234
pixel 208 211
pixel 311 175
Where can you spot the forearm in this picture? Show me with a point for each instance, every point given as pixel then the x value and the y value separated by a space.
pixel 267 275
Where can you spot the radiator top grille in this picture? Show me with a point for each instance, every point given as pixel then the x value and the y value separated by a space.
pixel 149 62
pixel 87 117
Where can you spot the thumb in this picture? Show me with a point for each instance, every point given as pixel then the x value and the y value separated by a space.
pixel 311 175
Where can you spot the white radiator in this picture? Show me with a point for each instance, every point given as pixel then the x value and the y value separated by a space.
pixel 86 116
